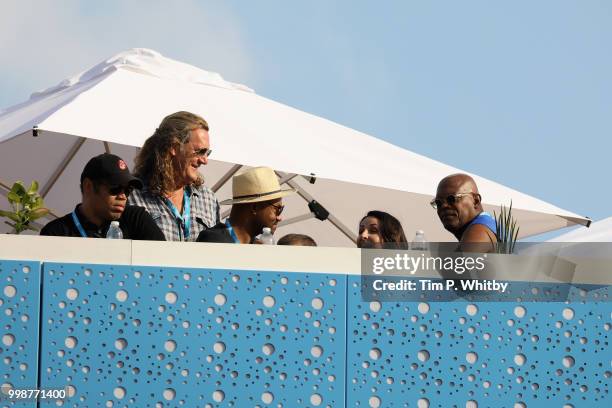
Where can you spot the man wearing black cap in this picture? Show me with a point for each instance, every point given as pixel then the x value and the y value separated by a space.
pixel 106 183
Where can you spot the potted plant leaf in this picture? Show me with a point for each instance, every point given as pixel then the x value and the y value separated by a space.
pixel 27 206
pixel 507 230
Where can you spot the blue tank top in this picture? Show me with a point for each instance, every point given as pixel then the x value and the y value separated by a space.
pixel 485 219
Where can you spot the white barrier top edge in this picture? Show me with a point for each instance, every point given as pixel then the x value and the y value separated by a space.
pixel 345 261
pixel 181 254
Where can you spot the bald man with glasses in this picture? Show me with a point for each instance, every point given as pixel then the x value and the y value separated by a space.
pixel 459 207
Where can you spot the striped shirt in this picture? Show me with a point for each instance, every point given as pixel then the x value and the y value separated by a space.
pixel 204 212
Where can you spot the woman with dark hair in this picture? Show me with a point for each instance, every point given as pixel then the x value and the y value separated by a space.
pixel 379 229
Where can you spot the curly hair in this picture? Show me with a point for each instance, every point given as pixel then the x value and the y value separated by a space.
pixel 154 164
pixel 390 229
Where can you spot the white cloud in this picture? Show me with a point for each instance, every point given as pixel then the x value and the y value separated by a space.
pixel 45 41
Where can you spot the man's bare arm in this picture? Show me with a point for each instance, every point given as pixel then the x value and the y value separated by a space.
pixel 478 238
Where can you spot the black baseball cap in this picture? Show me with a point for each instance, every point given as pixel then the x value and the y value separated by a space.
pixel 110 169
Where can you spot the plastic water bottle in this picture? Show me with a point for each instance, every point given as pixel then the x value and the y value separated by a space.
pixel 114 232
pixel 419 243
pixel 266 237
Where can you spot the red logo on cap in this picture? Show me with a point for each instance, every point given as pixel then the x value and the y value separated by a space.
pixel 122 165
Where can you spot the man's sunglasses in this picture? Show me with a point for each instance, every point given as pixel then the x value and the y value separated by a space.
pixel 277 208
pixel 203 153
pixel 450 200
pixel 116 190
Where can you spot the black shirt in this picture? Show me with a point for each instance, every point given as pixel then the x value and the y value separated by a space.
pixel 135 223
pixel 218 233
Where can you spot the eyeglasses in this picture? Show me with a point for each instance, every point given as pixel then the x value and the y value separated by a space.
pixel 450 200
pixel 116 190
pixel 203 153
pixel 278 208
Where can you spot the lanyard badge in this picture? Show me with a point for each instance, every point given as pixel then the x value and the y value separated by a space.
pixel 78 224
pixel 184 220
pixel 231 231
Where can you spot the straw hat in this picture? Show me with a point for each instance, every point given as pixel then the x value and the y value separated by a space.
pixel 255 185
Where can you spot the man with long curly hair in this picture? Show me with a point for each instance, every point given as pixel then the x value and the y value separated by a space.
pixel 173 192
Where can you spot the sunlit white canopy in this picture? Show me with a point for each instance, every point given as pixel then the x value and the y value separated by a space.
pixel 118 103
pixel 599 231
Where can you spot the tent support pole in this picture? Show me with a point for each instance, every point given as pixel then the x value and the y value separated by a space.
pixel 56 175
pixel 287 178
pixel 226 177
pixel 331 218
pixel 299 218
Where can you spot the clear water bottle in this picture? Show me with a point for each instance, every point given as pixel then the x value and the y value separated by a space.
pixel 266 237
pixel 419 243
pixel 114 232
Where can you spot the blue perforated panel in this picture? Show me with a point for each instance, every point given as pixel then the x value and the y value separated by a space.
pixel 124 336
pixel 176 337
pixel 460 354
pixel 19 308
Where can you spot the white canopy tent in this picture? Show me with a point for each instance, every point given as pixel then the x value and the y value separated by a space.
pixel 599 231
pixel 117 104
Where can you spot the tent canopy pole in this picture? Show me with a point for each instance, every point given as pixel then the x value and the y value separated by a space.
pixel 64 163
pixel 299 218
pixel 226 177
pixel 331 217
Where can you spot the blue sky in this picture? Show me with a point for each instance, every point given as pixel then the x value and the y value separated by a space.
pixel 518 92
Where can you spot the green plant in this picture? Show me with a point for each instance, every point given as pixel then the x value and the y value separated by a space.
pixel 507 230
pixel 27 206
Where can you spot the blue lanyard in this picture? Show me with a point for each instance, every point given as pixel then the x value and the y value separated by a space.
pixel 185 219
pixel 78 224
pixel 230 229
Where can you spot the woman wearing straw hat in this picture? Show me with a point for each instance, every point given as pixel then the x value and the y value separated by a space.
pixel 257 203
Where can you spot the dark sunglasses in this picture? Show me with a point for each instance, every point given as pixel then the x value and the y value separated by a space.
pixel 450 200
pixel 116 190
